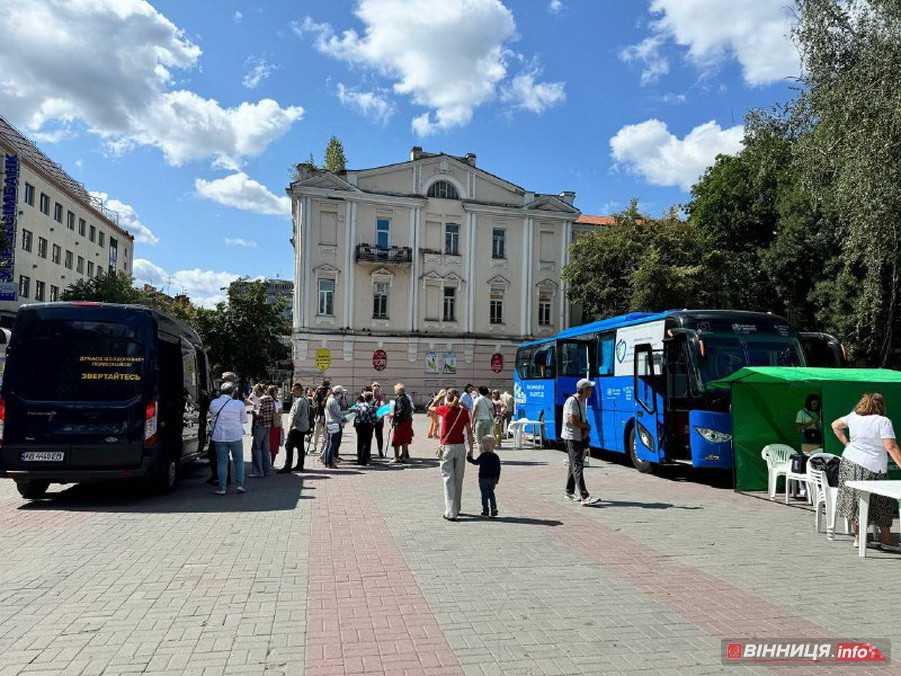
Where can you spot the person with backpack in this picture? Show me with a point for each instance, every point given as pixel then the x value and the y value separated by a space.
pixel 227 417
pixel 364 423
pixel 455 429
pixel 402 424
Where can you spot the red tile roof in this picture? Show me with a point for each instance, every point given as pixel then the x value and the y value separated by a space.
pixel 588 219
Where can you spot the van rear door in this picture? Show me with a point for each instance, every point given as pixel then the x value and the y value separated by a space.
pixel 76 385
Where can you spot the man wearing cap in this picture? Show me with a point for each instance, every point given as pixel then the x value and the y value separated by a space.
pixel 575 434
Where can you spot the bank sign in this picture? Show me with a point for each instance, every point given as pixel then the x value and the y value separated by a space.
pixel 8 213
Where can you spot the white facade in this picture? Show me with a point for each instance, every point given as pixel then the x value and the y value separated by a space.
pixel 427 265
pixel 55 232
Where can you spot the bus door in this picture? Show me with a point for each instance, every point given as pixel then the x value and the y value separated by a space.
pixel 648 396
pixel 574 363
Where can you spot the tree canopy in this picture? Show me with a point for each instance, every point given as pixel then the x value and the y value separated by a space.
pixel 334 155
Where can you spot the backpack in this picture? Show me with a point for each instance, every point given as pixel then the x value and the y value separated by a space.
pixel 829 466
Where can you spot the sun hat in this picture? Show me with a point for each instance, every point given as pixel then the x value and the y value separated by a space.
pixel 583 383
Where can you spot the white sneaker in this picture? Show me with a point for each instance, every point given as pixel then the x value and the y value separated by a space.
pixel 587 502
pixel 219 491
pixel 241 489
pixel 571 497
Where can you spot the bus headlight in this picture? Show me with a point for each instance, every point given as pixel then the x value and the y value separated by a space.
pixel 713 436
pixel 645 437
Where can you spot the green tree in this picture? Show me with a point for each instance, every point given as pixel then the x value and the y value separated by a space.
pixel 112 287
pixel 334 155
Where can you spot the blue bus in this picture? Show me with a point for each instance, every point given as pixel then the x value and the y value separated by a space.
pixel 652 369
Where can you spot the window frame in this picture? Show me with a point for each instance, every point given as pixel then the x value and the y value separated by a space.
pixel 496 307
pixel 380 292
pixel 54 293
pixel 101 238
pixel 379 231
pixel 28 196
pixel 92 232
pixel 27 240
pixel 90 269
pixel 82 227
pixel 24 286
pixel 70 221
pixel 44 204
pixel 326 297
pixel 449 304
pixel 40 290
pixel 443 189
pixel 56 253
pixel 499 252
pixel 451 237
pixel 69 259
pixel 79 265
pixel 42 246
pixel 545 301
pixel 58 212
pixel 608 338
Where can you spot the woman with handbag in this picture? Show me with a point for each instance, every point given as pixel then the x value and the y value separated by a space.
pixel 455 429
pixel 228 417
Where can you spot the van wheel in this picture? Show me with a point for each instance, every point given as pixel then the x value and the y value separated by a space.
pixel 166 475
pixel 31 489
pixel 642 466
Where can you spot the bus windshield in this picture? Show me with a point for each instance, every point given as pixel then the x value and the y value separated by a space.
pixel 724 354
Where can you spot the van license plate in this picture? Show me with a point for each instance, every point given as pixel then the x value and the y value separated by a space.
pixel 43 456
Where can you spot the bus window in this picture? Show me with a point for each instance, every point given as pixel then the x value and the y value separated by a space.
pixel 523 362
pixel 606 349
pixel 574 359
pixel 543 362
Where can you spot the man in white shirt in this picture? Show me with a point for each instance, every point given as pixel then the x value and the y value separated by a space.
pixel 575 435
pixel 467 399
pixel 227 417
pixel 482 416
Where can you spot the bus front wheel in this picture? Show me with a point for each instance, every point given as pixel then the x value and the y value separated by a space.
pixel 32 490
pixel 642 466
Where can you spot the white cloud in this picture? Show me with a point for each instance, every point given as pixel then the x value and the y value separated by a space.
pixel 555 6
pixel 128 218
pixel 60 66
pixel 238 16
pixel 203 287
pixel 650 150
pixel 536 97
pixel 670 97
pixel 258 70
pixel 648 53
pixel 237 241
pixel 240 191
pixel 374 105
pixel 754 32
pixel 448 57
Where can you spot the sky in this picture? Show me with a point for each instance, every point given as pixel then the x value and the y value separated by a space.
pixel 187 116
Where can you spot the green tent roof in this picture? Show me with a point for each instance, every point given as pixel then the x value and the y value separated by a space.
pixel 799 374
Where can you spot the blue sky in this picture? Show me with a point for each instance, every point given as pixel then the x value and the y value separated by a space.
pixel 189 115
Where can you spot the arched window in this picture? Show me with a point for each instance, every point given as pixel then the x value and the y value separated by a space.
pixel 443 190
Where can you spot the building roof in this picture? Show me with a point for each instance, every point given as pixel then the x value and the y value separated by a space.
pixel 30 153
pixel 592 219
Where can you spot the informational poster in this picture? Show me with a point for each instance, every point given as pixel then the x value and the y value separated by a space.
pixel 8 213
pixel 441 362
pixel 111 367
pixel 379 360
pixel 323 358
pixel 497 362
pixel 626 340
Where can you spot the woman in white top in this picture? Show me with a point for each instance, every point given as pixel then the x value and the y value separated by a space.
pixel 865 458
pixel 227 417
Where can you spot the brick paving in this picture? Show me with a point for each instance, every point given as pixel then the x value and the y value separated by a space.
pixel 354 571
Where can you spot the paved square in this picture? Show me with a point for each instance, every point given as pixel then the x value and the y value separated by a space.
pixel 354 571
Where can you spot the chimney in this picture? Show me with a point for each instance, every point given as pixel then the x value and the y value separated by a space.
pixel 471 159
pixel 568 196
pixel 415 153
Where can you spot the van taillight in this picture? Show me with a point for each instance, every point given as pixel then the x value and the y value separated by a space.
pixel 2 419
pixel 150 421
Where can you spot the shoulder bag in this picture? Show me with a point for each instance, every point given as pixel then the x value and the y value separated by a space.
pixel 440 452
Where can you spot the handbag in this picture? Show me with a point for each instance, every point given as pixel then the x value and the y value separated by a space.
pixel 798 463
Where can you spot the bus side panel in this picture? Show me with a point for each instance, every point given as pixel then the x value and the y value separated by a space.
pixel 619 410
pixel 535 401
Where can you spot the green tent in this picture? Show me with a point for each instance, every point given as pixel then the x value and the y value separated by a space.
pixel 766 400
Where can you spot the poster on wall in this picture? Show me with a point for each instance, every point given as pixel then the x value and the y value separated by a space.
pixel 441 362
pixel 8 214
pixel 379 360
pixel 497 362
pixel 323 359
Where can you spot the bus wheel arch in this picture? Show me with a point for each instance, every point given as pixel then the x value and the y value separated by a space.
pixel 643 466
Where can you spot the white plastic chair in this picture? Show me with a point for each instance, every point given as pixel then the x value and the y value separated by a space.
pixel 519 428
pixel 777 464
pixel 823 495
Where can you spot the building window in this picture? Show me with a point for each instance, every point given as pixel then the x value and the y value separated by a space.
pixel 70 221
pixel 444 190
pixel 93 233
pixel 452 239
pixel 55 253
pixel 79 265
pixel 544 308
pixel 39 289
pixel 101 238
pixel 327 297
pixel 498 243
pixel 58 212
pixel 29 194
pixel 450 303
pixel 380 300
pixel 45 204
pixel 27 240
pixel 42 247
pixel 496 306
pixel 82 227
pixel 69 256
pixel 54 293
pixel 24 286
pixel 382 232
pixel 90 268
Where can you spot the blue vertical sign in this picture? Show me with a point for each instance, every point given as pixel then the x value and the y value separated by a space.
pixel 8 214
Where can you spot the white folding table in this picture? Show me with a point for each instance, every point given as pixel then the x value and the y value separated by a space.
pixel 884 487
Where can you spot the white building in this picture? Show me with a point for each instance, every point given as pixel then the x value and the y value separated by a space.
pixel 427 272
pixel 54 233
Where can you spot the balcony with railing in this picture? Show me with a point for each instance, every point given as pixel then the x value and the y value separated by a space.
pixel 396 255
